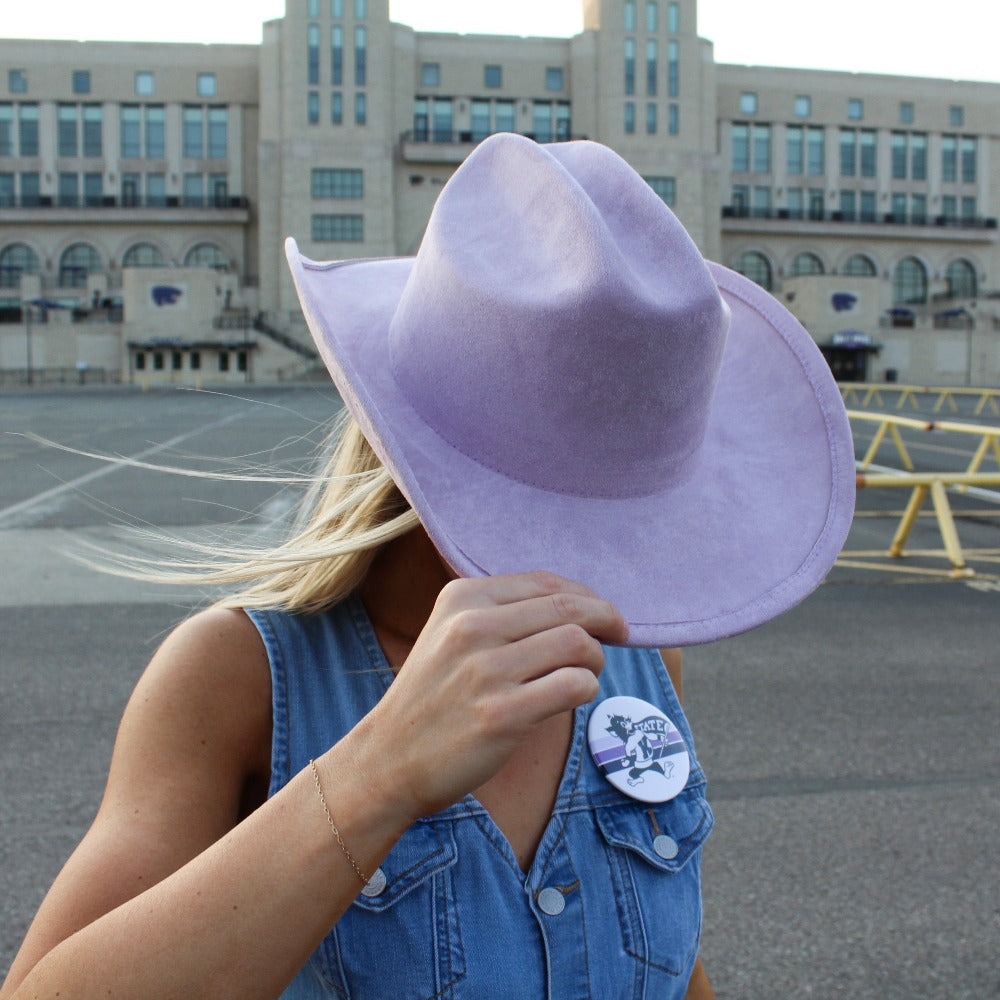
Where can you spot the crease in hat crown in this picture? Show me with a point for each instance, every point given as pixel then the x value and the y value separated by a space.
pixel 570 338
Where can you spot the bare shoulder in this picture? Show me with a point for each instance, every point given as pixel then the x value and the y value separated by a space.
pixel 191 758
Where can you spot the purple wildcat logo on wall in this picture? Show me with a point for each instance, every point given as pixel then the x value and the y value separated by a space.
pixel 843 301
pixel 166 295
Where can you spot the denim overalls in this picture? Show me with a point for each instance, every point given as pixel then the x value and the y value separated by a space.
pixel 611 907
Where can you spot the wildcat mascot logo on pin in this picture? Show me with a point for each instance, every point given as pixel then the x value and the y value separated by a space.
pixel 638 749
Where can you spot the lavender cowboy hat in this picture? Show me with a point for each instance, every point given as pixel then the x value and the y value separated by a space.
pixel 558 380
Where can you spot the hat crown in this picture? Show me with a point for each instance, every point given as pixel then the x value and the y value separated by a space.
pixel 572 337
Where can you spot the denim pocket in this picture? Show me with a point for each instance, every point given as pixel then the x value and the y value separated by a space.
pixel 400 937
pixel 654 855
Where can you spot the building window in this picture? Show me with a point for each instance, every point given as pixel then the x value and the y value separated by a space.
pixel 17 259
pixel 860 266
pixel 93 127
pixel 336 8
pixel 142 255
pixel 806 263
pixel 748 103
pixel 740 200
pixel 673 17
pixel 81 81
pixel 337 183
pixel 909 282
pixel 176 360
pixel 218 133
pixel 30 188
pixel 629 65
pixel 223 361
pixel 195 361
pixel 312 107
pixel 28 128
pixel 67 130
pixel 848 152
pixel 553 78
pixel 144 84
pixel 130 129
pixel 869 153
pixel 480 120
pixel 140 361
pixel 816 151
pixel 360 56
pixel 918 209
pixel 312 8
pixel 360 109
pixel 803 106
pixel 193 132
pixel 762 202
pixel 206 255
pixel 673 119
pixel 337 55
pixel 312 54
pixel 93 189
pixel 421 120
pixel 956 116
pixel 194 190
pixel 430 75
pixel 794 150
pixel 503 112
pixel 756 267
pixel 218 188
pixel 949 208
pixel 630 117
pixel 741 147
pixel 794 204
pixel 968 210
pixel 652 16
pixel 338 228
pixel 652 62
pixel 848 206
pixel 156 190
pixel 816 210
pixel 69 190
pixel 492 76
pixel 899 155
pixel 629 16
pixel 360 9
pixel 906 112
pixel 155 132
pixel 130 190
pixel 541 121
pixel 761 149
pixel 918 156
pixel 336 108
pixel 673 69
pixel 961 279
pixel 855 109
pixel 968 151
pixel 6 129
pixel 207 86
pixel 76 263
pixel 949 158
pixel 17 81
pixel 7 197
pixel 899 207
pixel 665 187
pixel 441 121
pixel 868 206
pixel 651 118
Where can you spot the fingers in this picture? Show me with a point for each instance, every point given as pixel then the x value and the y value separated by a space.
pixel 562 690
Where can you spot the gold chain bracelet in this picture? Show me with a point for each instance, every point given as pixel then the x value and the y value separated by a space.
pixel 333 826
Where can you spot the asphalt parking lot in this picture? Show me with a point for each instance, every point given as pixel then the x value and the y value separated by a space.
pixel 851 745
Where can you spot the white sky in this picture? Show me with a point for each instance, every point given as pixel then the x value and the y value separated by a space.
pixel 958 40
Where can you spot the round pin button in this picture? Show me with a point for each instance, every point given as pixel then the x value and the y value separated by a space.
pixel 551 901
pixel 638 749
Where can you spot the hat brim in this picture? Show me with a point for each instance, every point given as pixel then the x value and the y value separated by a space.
pixel 752 531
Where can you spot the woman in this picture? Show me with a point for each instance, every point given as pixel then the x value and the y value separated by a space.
pixel 396 763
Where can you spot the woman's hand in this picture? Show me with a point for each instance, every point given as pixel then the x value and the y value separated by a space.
pixel 497 656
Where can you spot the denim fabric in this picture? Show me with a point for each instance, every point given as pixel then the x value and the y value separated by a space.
pixel 450 914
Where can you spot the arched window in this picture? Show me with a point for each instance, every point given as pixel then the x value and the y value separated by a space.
pixel 206 255
pixel 142 255
pixel 961 278
pixel 909 282
pixel 860 266
pixel 76 263
pixel 807 263
pixel 756 267
pixel 15 260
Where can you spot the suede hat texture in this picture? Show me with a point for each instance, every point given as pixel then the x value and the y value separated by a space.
pixel 558 380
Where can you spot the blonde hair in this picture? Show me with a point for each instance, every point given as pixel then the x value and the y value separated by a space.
pixel 351 508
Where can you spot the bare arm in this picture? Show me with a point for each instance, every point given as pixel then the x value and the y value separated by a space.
pixel 699 988
pixel 170 895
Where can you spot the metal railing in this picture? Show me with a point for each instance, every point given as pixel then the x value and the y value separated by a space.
pixel 866 393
